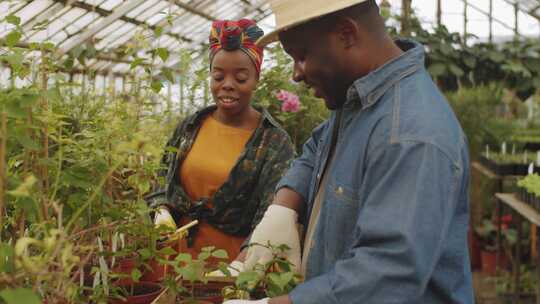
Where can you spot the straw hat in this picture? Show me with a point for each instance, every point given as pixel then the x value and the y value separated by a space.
pixel 290 13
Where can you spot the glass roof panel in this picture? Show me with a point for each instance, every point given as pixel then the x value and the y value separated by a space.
pixel 141 8
pixel 110 4
pixel 32 9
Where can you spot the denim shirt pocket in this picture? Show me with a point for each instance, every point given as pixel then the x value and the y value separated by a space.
pixel 340 215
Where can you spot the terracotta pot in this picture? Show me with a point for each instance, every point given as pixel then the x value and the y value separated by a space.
pixel 210 292
pixel 124 266
pixel 156 273
pixel 144 293
pixel 489 261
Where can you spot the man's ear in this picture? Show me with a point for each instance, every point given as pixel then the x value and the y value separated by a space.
pixel 348 31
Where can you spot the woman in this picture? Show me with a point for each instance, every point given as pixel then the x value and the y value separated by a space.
pixel 229 156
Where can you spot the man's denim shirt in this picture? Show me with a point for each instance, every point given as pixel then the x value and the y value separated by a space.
pixel 394 219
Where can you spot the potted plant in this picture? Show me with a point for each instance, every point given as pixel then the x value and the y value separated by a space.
pixel 529 190
pixel 273 279
pixel 487 233
pixel 190 282
pixel 504 286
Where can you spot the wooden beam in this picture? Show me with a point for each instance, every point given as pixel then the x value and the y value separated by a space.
pixel 117 14
pixel 487 14
pixel 531 13
pixel 43 16
pixel 439 13
pixel 193 10
pixel 465 21
pixel 490 16
pixel 406 17
pixel 516 19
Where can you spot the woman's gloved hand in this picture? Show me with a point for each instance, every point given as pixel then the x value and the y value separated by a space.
pixel 164 218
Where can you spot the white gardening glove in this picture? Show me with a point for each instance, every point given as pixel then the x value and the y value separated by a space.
pixel 164 218
pixel 234 268
pixel 263 301
pixel 278 226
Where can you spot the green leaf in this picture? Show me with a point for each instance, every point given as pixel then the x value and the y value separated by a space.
pixel 203 256
pixel 135 63
pixel 15 110
pixel 29 99
pixel 28 142
pixel 19 295
pixel 208 249
pixel 457 71
pixel 13 19
pixel 77 51
pixel 184 257
pixel 224 268
pixel 136 275
pixel 496 56
pixel 167 73
pixel 156 86
pixel 25 188
pixel 15 60
pixel 158 31
pixel 247 279
pixel 145 253
pixel 470 62
pixel 163 53
pixel 53 94
pixel 34 45
pixel 69 62
pixel 49 46
pixel 536 82
pixel 167 251
pixel 193 271
pixel 437 69
pixel 7 263
pixel 90 51
pixel 220 254
pixel 511 236
pixel 13 38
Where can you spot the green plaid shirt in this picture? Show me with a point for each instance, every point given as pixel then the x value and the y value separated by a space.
pixel 239 204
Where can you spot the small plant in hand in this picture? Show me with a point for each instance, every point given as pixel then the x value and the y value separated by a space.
pixel 189 280
pixel 275 278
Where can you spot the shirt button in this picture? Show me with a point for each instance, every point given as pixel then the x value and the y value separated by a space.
pixel 319 176
pixel 339 190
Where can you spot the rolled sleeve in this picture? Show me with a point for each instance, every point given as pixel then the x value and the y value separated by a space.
pixel 409 196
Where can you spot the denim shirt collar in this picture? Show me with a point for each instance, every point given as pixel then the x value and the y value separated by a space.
pixel 368 89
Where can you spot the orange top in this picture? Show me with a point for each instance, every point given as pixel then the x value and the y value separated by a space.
pixel 205 168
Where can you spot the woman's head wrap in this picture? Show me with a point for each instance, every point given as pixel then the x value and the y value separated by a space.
pixel 237 35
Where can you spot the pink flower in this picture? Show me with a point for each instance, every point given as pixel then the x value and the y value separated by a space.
pixel 291 102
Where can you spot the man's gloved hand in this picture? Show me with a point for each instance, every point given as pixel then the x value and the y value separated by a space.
pixel 277 227
pixel 263 301
pixel 164 218
pixel 234 268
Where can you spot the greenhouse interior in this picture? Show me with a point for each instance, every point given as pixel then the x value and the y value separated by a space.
pixel 269 151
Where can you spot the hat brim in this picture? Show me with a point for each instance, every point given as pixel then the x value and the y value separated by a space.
pixel 273 36
pixel 321 10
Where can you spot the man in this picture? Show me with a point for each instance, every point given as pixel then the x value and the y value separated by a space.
pixel 382 185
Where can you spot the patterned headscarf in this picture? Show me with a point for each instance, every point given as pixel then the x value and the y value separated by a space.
pixel 237 35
